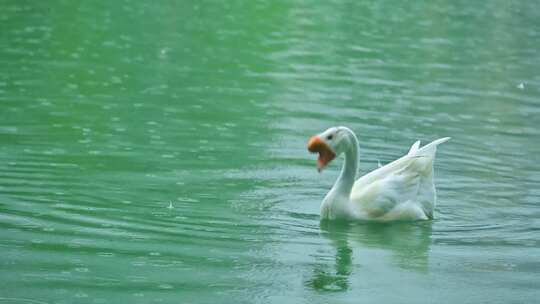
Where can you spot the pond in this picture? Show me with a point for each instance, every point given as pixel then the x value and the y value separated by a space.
pixel 156 152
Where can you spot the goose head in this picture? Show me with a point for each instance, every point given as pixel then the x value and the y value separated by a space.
pixel 328 145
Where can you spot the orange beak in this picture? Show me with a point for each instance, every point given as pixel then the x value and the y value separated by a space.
pixel 316 145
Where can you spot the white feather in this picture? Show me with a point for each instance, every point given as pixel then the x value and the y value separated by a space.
pixel 400 190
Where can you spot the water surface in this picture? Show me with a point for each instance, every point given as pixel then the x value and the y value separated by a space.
pixel 156 152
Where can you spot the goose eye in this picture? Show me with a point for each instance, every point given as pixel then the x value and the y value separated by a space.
pixel 329 137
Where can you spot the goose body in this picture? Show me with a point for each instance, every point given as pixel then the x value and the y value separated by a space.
pixel 401 190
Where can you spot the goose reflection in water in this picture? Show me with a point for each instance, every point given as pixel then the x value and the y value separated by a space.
pixel 405 243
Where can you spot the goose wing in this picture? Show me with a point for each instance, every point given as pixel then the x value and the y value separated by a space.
pixel 402 189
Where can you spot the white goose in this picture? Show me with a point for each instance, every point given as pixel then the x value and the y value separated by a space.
pixel 400 190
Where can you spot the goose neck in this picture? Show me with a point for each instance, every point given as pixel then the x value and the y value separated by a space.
pixel 347 176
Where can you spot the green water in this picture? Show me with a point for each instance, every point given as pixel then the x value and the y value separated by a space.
pixel 155 152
